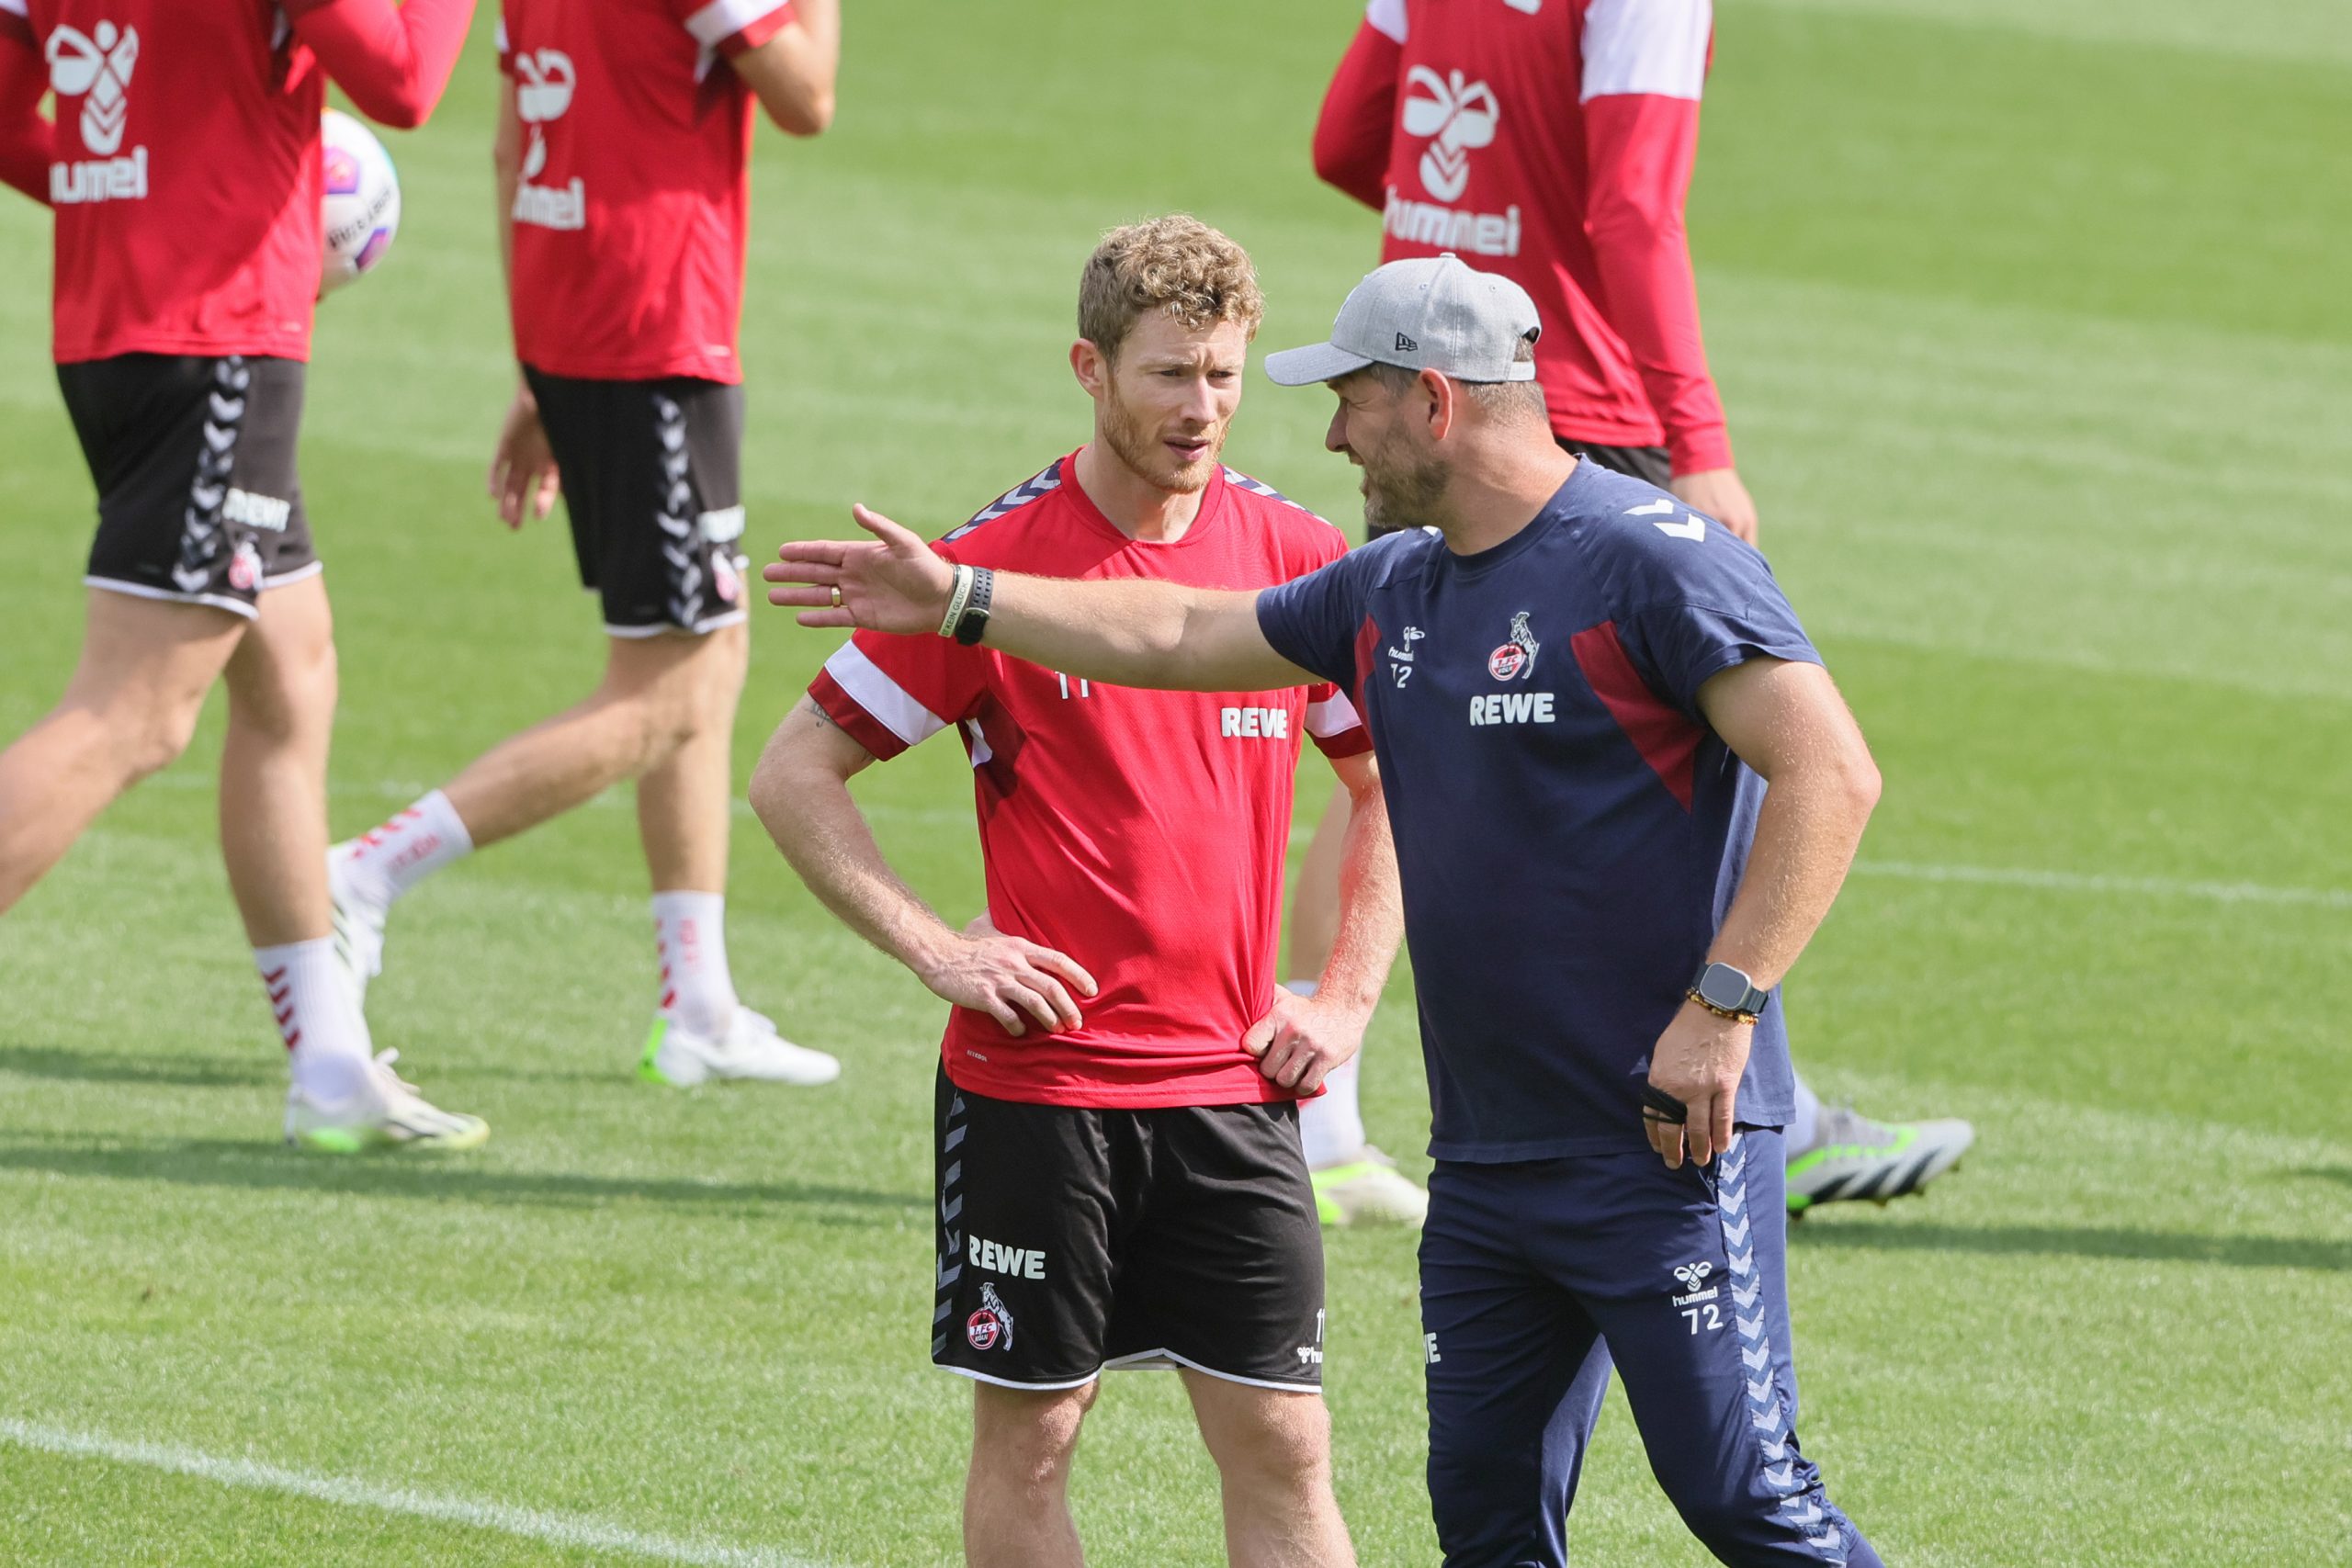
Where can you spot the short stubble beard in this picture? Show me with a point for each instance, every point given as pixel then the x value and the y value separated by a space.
pixel 1144 456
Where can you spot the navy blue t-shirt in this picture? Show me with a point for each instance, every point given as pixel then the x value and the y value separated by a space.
pixel 1569 830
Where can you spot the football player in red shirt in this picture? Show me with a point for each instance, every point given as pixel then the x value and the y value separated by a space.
pixel 624 156
pixel 184 165
pixel 1554 144
pixel 1120 1179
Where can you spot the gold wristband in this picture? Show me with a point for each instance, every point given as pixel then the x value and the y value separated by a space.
pixel 1732 1013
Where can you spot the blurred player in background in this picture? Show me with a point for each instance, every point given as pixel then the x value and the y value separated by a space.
pixel 1120 1184
pixel 1554 144
pixel 624 179
pixel 184 166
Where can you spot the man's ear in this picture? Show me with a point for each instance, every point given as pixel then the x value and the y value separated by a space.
pixel 1445 402
pixel 1091 366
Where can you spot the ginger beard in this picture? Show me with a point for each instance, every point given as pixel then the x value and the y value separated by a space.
pixel 1138 436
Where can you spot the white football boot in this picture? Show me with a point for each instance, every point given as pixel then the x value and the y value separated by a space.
pixel 385 1113
pixel 751 1048
pixel 1853 1156
pixel 358 923
pixel 1368 1190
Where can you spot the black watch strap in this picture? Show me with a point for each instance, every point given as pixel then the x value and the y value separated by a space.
pixel 974 622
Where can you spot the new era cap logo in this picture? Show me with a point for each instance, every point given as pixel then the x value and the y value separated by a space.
pixel 1406 345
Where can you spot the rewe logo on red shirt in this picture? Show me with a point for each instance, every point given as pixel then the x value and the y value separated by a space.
pixel 97 66
pixel 544 81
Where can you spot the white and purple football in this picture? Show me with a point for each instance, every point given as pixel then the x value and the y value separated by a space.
pixel 362 210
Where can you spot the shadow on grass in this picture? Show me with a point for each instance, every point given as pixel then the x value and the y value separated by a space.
pixel 214 1162
pixel 2339 1174
pixel 127 1067
pixel 2151 1247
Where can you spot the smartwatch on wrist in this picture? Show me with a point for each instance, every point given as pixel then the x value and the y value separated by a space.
pixel 1728 992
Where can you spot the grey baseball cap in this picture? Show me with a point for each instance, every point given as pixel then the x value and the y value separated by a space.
pixel 1429 313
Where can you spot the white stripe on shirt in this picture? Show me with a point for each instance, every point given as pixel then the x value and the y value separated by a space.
pixel 1333 715
pixel 15 8
pixel 1646 46
pixel 503 47
pixel 1388 16
pixel 722 20
pixel 891 705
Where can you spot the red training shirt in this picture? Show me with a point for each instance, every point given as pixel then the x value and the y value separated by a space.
pixel 1143 833
pixel 1552 142
pixel 635 204
pixel 184 161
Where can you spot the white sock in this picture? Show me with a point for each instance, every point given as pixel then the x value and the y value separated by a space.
pixel 1806 1123
pixel 327 1046
pixel 1330 1126
pixel 690 935
pixel 382 864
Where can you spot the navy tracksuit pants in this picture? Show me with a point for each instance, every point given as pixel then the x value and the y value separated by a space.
pixel 1537 1276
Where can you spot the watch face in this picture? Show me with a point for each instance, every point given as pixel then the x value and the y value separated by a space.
pixel 1724 985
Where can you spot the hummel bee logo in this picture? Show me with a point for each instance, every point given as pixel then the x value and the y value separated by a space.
pixel 1695 1288
pixel 1406 345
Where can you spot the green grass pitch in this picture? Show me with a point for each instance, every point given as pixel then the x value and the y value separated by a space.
pixel 2031 323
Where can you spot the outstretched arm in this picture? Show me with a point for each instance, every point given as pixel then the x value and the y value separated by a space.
pixel 1785 719
pixel 1152 635
pixel 1302 1039
pixel 393 60
pixel 800 792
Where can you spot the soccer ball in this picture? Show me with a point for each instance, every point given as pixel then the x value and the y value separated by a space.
pixel 362 210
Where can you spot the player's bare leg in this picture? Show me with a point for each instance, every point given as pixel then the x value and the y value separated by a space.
pixel 683 799
pixel 637 715
pixel 1016 1496
pixel 128 711
pixel 273 766
pixel 1272 1450
pixel 1354 1182
pixel 281 684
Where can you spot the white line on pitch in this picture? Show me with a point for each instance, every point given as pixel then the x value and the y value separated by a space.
pixel 572 1530
pixel 2087 882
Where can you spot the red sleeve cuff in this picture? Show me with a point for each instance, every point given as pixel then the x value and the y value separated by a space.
pixel 757 33
pixel 1698 451
pixel 1348 743
pixel 856 723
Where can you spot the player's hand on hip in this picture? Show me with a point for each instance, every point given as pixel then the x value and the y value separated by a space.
pixel 1698 1061
pixel 1302 1039
pixel 1719 494
pixel 893 582
pixel 1011 978
pixel 523 477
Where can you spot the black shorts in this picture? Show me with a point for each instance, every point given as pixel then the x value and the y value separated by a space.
pixel 1649 464
pixel 198 501
pixel 652 478
pixel 1071 1240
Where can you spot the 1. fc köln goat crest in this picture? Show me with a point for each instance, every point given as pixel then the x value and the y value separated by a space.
pixel 1517 657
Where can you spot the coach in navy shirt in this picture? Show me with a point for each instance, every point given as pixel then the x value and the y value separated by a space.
pixel 1578 689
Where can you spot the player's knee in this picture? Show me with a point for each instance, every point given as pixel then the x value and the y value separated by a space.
pixel 1023 1442
pixel 1726 1522
pixel 149 735
pixel 1284 1446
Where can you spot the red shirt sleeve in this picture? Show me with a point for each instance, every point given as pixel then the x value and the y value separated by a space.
pixel 24 134
pixel 1351 134
pixel 890 693
pixel 731 27
pixel 393 60
pixel 1639 148
pixel 1333 724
